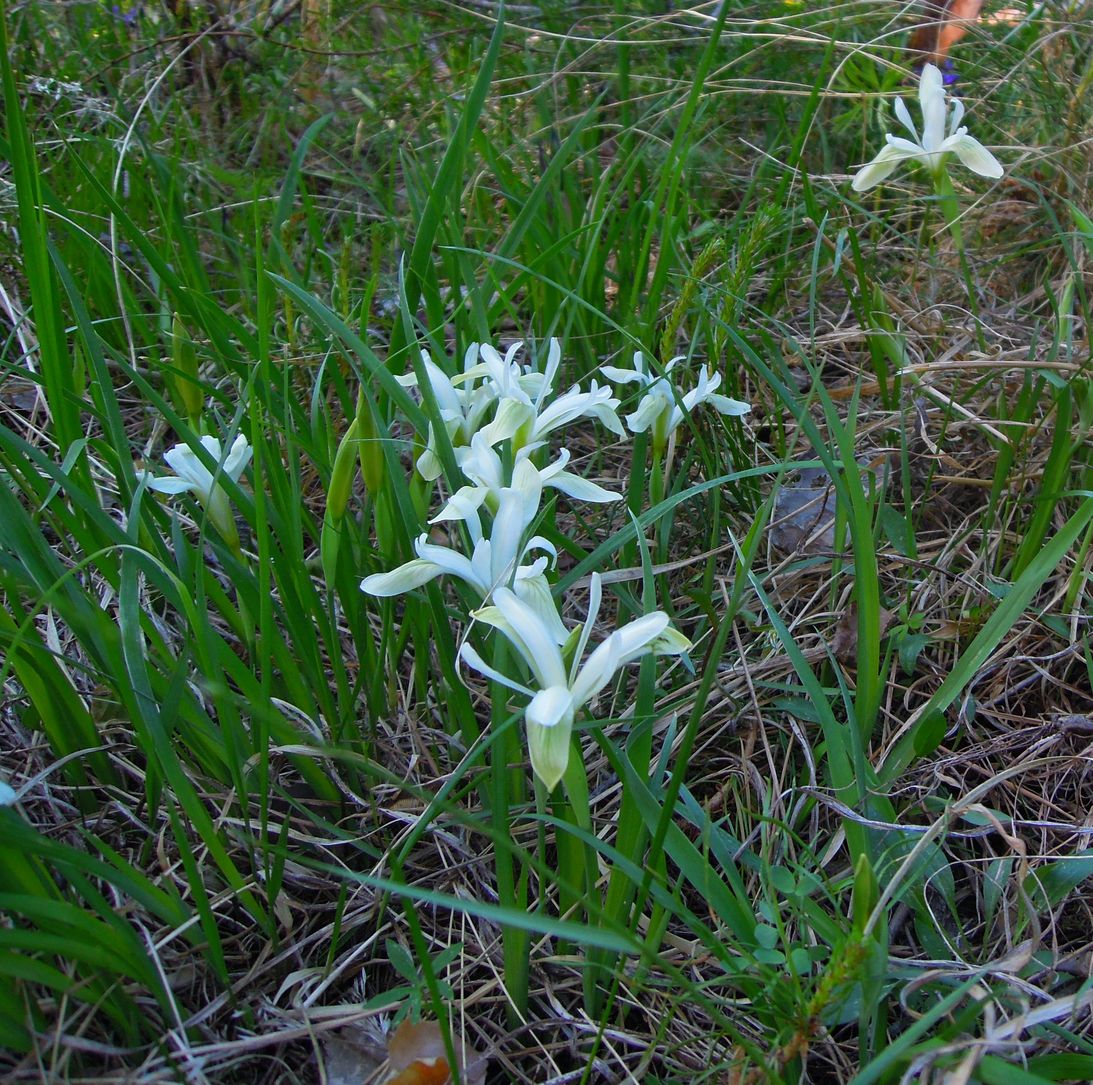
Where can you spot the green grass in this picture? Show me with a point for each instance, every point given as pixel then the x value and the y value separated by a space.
pixel 260 813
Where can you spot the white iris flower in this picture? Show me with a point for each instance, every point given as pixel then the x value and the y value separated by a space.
pixel 482 465
pixel 934 146
pixel 495 562
pixel 463 406
pixel 192 476
pixel 563 691
pixel 659 411
pixel 523 413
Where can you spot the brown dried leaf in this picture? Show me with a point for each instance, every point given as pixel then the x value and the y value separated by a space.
pixel 804 511
pixel 804 514
pixel 415 1041
pixel 414 1054
pixel 418 1056
pixel 353 1054
pixel 845 642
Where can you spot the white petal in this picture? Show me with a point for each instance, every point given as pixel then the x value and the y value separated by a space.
pixel 623 646
pixel 537 542
pixel 476 406
pixel 577 404
pixel 549 743
pixel 956 116
pixel 470 358
pixel 670 643
pixel 428 463
pixel 238 457
pixel 506 536
pixel 511 415
pixel 911 150
pixel 184 462
pixel 573 485
pixel 891 155
pixel 490 571
pixel 451 563
pixel 170 484
pixel 931 97
pixel 974 155
pixel 465 501
pixel 7 794
pixel 550 707
pixel 527 482
pixel 725 405
pixel 581 489
pixel 481 463
pixel 595 600
pixel 550 372
pixel 535 591
pixel 529 634
pixel 606 412
pixel 405 578
pixel 652 406
pixel 624 376
pixel 903 114
pixel 479 664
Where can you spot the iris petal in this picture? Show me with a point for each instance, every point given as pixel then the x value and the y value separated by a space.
pixel 974 155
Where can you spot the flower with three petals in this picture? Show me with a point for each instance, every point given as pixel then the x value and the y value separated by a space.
pixel 495 561
pixel 935 145
pixel 482 465
pixel 659 411
pixel 192 476
pixel 564 690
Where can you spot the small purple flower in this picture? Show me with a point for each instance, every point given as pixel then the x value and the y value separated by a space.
pixel 129 16
pixel 949 75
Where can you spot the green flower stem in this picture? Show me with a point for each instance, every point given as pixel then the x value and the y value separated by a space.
pixel 508 788
pixel 656 477
pixel 246 618
pixel 950 210
pixel 577 864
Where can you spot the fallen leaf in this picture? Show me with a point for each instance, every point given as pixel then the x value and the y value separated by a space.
pixel 418 1056
pixel 845 642
pixel 415 1041
pixel 804 513
pixel 423 1072
pixel 804 510
pixel 353 1054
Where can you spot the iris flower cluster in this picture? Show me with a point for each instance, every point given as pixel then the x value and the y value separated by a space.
pixel 500 416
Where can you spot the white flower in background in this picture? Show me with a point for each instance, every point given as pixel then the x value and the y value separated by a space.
pixel 195 478
pixel 495 562
pixel 526 426
pixel 463 407
pixel 8 797
pixel 659 411
pixel 563 691
pixel 507 379
pixel 482 465
pixel 934 145
pixel 523 413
